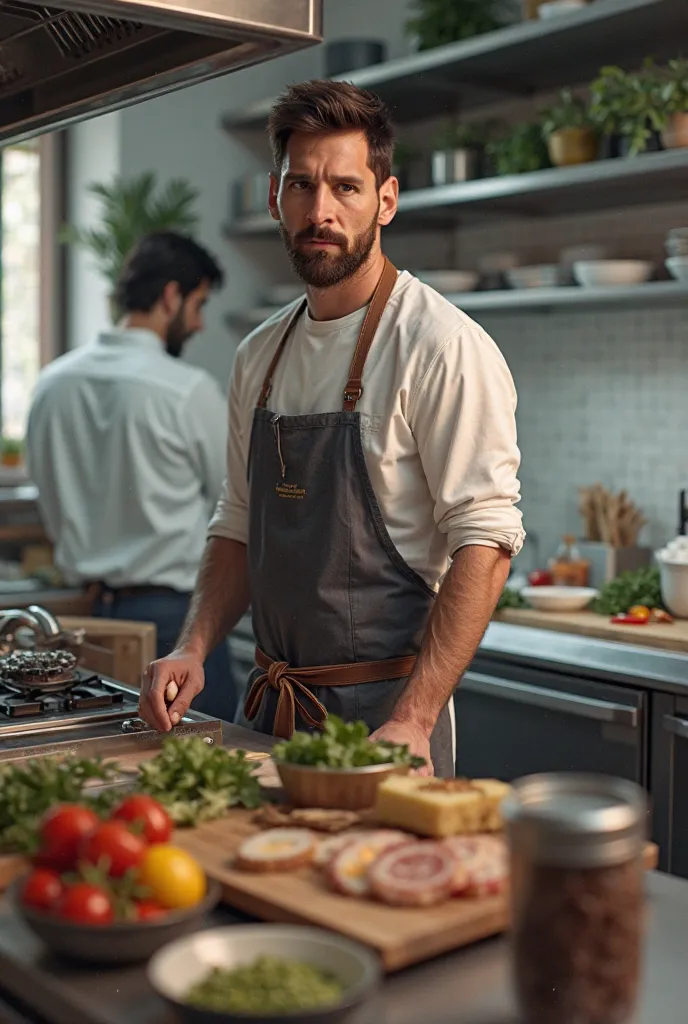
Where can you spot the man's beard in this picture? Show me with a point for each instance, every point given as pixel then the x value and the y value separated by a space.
pixel 322 269
pixel 177 335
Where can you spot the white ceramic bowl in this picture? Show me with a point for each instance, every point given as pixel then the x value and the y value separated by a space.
pixel 678 268
pixel 604 273
pixel 449 280
pixel 674 581
pixel 559 599
pixel 677 242
pixel 546 275
pixel 557 7
pixel 178 966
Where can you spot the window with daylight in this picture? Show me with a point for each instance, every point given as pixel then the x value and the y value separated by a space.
pixel 22 273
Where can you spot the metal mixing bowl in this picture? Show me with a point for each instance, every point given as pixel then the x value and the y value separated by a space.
pixel 176 968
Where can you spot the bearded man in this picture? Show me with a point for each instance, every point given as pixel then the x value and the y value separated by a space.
pixel 372 456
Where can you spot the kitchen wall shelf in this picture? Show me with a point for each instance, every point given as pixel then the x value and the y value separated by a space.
pixel 522 59
pixel 606 184
pixel 656 293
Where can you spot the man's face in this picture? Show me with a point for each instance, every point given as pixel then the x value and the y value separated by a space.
pixel 329 206
pixel 187 320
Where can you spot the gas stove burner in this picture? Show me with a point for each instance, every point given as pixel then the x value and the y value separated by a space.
pixel 85 692
pixel 38 671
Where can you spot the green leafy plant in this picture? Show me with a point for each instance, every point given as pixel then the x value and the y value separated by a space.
pixel 342 745
pixel 130 209
pixel 629 105
pixel 462 136
pixel 510 598
pixel 568 112
pixel 642 586
pixel 437 22
pixel 11 446
pixel 521 151
pixel 674 87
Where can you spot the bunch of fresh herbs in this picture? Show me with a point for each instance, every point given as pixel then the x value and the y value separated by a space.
pixel 342 745
pixel 197 781
pixel 641 587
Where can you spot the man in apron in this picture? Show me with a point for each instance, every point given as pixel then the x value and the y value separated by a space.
pixel 372 441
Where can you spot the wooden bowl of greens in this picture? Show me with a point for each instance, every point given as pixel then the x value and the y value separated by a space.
pixel 340 767
pixel 264 973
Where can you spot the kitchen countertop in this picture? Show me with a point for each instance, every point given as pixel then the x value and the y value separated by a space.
pixel 662 636
pixel 471 985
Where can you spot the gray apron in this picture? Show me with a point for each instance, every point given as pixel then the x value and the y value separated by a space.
pixel 328 587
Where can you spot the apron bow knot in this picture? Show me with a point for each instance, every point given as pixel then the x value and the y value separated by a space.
pixel 292 695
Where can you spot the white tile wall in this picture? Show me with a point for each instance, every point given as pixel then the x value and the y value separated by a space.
pixel 602 396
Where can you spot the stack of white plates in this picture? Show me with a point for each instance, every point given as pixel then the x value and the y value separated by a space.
pixel 612 273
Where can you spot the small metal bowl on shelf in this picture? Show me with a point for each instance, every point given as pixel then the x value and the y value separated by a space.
pixel 123 942
pixel 346 789
pixel 173 971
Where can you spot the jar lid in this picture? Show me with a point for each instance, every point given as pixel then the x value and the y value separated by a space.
pixel 576 820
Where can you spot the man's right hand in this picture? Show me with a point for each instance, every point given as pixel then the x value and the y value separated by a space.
pixel 168 687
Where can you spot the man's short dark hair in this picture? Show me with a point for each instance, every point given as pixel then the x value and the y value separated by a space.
pixel 156 260
pixel 320 107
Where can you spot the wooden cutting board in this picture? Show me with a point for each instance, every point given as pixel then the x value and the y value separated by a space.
pixel 400 936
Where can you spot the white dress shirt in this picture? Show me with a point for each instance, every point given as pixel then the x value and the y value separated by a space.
pixel 437 419
pixel 127 446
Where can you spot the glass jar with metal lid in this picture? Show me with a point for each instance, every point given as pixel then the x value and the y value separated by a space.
pixel 577 896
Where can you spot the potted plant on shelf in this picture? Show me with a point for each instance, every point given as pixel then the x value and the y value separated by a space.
pixel 11 452
pixel 674 93
pixel 131 209
pixel 458 153
pixel 628 109
pixel 522 150
pixel 437 22
pixel 571 137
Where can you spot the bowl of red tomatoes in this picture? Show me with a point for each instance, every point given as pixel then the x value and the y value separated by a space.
pixel 115 890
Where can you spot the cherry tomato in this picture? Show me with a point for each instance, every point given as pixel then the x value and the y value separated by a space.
pixel 540 578
pixel 42 889
pixel 174 878
pixel 61 832
pixel 86 904
pixel 156 822
pixel 148 910
pixel 639 611
pixel 113 845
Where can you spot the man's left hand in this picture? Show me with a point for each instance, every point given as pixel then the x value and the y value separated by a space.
pixel 410 734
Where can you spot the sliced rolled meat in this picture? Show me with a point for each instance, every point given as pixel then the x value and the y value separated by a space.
pixel 330 847
pixel 482 865
pixel 348 869
pixel 418 874
pixel 277 849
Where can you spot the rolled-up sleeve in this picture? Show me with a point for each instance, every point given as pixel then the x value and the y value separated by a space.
pixel 230 519
pixel 463 416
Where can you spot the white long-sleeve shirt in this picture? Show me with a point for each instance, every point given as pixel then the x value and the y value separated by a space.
pixel 437 418
pixel 127 446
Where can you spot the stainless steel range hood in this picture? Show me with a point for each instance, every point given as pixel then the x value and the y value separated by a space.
pixel 61 64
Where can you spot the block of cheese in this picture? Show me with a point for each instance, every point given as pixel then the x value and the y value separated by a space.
pixel 440 807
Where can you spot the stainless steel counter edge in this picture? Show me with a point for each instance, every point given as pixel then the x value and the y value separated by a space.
pixel 615 662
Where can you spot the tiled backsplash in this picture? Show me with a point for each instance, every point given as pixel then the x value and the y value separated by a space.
pixel 602 396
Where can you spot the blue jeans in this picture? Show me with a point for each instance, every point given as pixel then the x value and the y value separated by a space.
pixel 167 609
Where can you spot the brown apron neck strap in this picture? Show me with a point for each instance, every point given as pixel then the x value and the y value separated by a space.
pixel 385 287
pixel 267 382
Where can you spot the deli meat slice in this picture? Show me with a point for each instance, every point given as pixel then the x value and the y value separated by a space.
pixel 330 847
pixel 278 849
pixel 348 869
pixel 417 874
pixel 482 862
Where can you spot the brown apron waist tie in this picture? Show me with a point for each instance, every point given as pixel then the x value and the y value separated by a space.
pixel 292 686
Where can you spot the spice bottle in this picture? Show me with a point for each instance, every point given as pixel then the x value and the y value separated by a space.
pixel 576 846
pixel 567 567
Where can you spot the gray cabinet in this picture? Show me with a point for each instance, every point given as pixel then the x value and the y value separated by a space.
pixel 513 719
